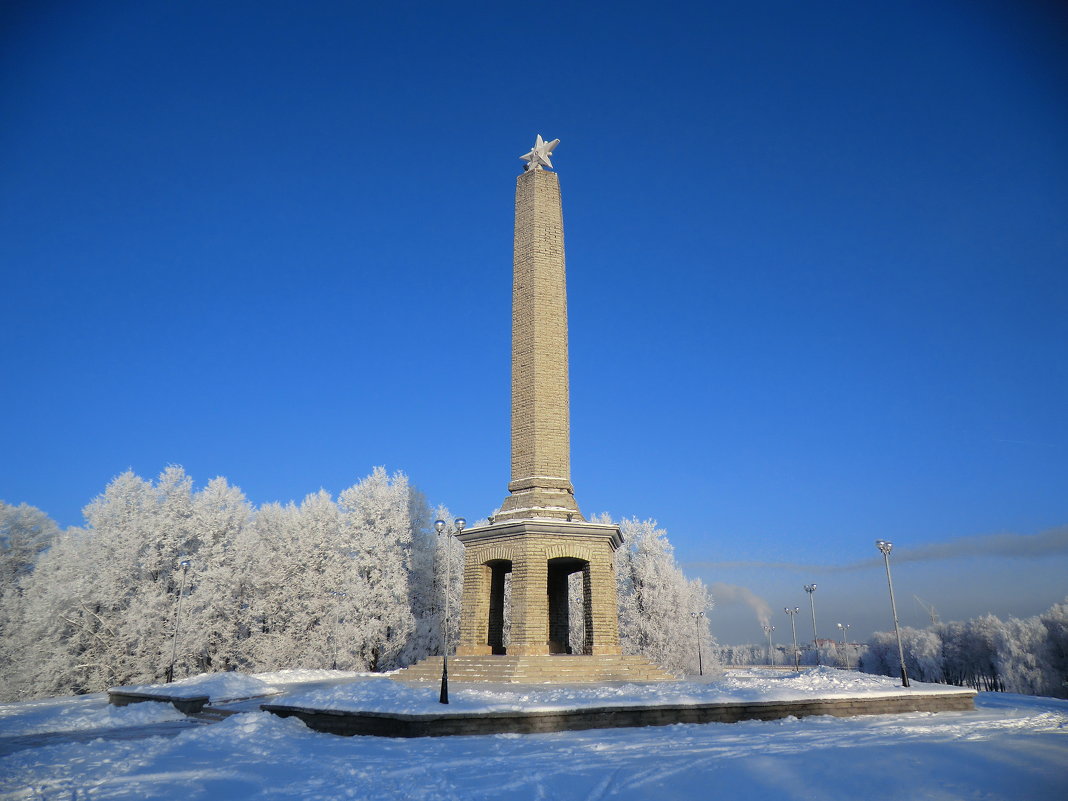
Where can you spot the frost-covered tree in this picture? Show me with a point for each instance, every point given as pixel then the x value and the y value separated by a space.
pixel 349 582
pixel 99 609
pixel 98 601
pixel 437 564
pixel 42 646
pixel 25 532
pixel 656 600
pixel 379 536
pixel 293 572
pixel 359 582
pixel 1024 656
pixel 1055 620
pixel 267 558
pixel 848 654
pixel 972 652
pixel 214 623
pixel 131 555
pixel 923 654
pixel 747 654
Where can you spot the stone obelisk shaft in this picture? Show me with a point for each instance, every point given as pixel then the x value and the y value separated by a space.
pixel 541 460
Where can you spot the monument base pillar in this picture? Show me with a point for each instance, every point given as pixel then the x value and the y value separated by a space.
pixel 538 555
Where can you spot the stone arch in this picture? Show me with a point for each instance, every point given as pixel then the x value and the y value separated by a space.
pixel 496 552
pixel 562 550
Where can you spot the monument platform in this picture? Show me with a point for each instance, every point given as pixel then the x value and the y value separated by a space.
pixel 549 668
pixel 440 724
pixel 348 703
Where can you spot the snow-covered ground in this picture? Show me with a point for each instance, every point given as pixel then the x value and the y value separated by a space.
pixel 380 695
pixel 375 692
pixel 1012 747
pixel 222 687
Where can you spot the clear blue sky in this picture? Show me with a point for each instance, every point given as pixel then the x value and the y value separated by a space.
pixel 817 265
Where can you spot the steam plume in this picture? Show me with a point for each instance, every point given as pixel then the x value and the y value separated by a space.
pixel 733 594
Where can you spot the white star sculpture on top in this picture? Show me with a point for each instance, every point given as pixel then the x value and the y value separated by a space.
pixel 539 155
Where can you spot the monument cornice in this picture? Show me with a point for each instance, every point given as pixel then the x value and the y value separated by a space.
pixel 520 529
pixel 541 482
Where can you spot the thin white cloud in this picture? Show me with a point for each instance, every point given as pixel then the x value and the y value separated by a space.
pixel 1052 542
pixel 1020 546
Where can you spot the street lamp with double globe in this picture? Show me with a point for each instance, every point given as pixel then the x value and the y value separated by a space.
pixel 184 565
pixel 811 589
pixel 439 526
pixel 793 629
pixel 700 663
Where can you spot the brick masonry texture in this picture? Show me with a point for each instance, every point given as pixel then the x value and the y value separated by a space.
pixel 541 450
pixel 539 537
pixel 527 548
pixel 438 725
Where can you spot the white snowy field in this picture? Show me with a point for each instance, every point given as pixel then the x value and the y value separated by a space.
pixel 1011 747
pixel 744 686
pixel 375 692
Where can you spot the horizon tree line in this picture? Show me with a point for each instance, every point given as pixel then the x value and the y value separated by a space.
pixel 1027 656
pixel 356 582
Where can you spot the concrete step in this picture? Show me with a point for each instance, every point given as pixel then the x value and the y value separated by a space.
pixel 563 669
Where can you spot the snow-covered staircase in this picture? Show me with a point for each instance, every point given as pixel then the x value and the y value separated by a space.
pixel 548 669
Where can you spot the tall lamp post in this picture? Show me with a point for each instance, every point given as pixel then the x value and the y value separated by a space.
pixel 184 564
pixel 439 526
pixel 844 628
pixel 793 629
pixel 338 595
pixel 768 629
pixel 700 663
pixel 810 589
pixel 885 548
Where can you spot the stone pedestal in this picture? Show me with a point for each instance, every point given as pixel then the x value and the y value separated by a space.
pixel 539 555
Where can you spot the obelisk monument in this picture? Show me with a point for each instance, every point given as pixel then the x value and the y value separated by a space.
pixel 539 537
pixel 539 540
pixel 541 432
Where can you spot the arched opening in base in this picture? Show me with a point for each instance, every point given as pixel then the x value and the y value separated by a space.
pixel 560 606
pixel 499 570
